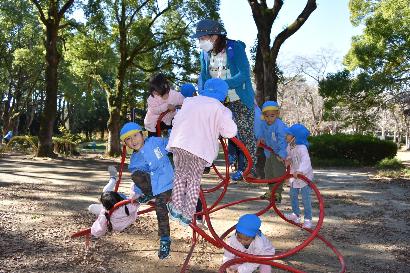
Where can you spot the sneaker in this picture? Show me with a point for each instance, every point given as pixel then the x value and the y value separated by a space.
pixel 201 224
pixel 236 176
pixel 174 215
pixel 112 171
pixel 145 198
pixel 185 221
pixel 207 170
pixel 164 249
pixel 292 217
pixel 307 223
pixel 278 198
pixel 266 196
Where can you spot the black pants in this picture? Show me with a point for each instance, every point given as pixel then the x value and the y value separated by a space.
pixel 163 127
pixel 161 201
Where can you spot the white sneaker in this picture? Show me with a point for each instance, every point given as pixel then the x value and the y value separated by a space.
pixel 113 171
pixel 201 224
pixel 292 217
pixel 307 223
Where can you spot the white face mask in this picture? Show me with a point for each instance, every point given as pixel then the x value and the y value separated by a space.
pixel 206 45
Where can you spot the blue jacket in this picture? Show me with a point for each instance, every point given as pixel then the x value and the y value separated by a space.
pixel 275 137
pixel 152 158
pixel 238 65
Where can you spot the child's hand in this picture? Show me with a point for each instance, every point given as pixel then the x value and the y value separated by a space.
pixel 134 199
pixel 171 107
pixel 295 174
pixel 287 162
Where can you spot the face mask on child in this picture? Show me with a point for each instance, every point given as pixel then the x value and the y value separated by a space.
pixel 206 45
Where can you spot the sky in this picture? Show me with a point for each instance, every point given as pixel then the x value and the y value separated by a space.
pixel 328 27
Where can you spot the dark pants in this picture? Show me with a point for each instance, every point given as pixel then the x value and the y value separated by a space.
pixel 260 163
pixel 162 126
pixel 161 201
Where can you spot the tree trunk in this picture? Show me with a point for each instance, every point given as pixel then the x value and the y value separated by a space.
pixel 45 145
pixel 266 72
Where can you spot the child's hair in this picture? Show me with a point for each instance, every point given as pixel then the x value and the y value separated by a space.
pixel 159 84
pixel 108 200
pixel 140 177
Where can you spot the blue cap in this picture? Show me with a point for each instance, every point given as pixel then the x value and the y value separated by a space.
pixel 249 225
pixel 129 129
pixel 208 27
pixel 215 88
pixel 188 90
pixel 300 132
pixel 269 106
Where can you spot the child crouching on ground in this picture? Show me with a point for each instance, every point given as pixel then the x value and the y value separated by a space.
pixel 299 161
pixel 120 218
pixel 153 174
pixel 249 239
pixel 194 144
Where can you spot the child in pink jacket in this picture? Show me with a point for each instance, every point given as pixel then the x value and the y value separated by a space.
pixel 121 218
pixel 249 239
pixel 161 99
pixel 194 144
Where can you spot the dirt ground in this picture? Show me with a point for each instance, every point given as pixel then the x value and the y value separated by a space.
pixel 42 202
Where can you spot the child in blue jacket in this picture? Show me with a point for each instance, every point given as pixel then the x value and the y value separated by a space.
pixel 150 158
pixel 272 133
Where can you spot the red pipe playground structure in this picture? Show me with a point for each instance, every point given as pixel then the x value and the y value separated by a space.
pixel 218 240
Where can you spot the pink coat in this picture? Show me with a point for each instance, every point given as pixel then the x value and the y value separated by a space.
pixel 299 162
pixel 119 220
pixel 198 125
pixel 259 246
pixel 157 105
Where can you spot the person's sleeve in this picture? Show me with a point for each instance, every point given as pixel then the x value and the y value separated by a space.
pixel 258 123
pixel 135 191
pixel 304 160
pixel 99 227
pixel 281 139
pixel 241 60
pixel 179 98
pixel 227 127
pixel 155 107
pixel 228 255
pixel 265 248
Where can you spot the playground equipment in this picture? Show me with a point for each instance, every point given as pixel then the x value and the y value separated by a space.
pixel 218 241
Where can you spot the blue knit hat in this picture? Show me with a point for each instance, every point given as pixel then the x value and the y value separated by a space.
pixel 300 132
pixel 215 88
pixel 249 225
pixel 208 27
pixel 129 129
pixel 188 90
pixel 268 106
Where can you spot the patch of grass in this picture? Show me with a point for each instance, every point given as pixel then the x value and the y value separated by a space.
pixel 390 164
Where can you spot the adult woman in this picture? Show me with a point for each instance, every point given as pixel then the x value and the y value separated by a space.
pixel 226 59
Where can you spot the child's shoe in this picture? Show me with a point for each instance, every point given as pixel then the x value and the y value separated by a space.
pixel 201 224
pixel 145 198
pixel 113 171
pixel 207 170
pixel 292 217
pixel 307 223
pixel 164 249
pixel 237 176
pixel 184 221
pixel 174 215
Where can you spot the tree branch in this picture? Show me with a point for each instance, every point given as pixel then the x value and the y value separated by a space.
pixel 135 13
pixel 64 9
pixel 40 10
pixel 290 30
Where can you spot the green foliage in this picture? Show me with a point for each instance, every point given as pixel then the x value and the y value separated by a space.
pixel 353 100
pixel 390 164
pixel 24 144
pixel 68 136
pixel 383 50
pixel 358 149
pixel 65 146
